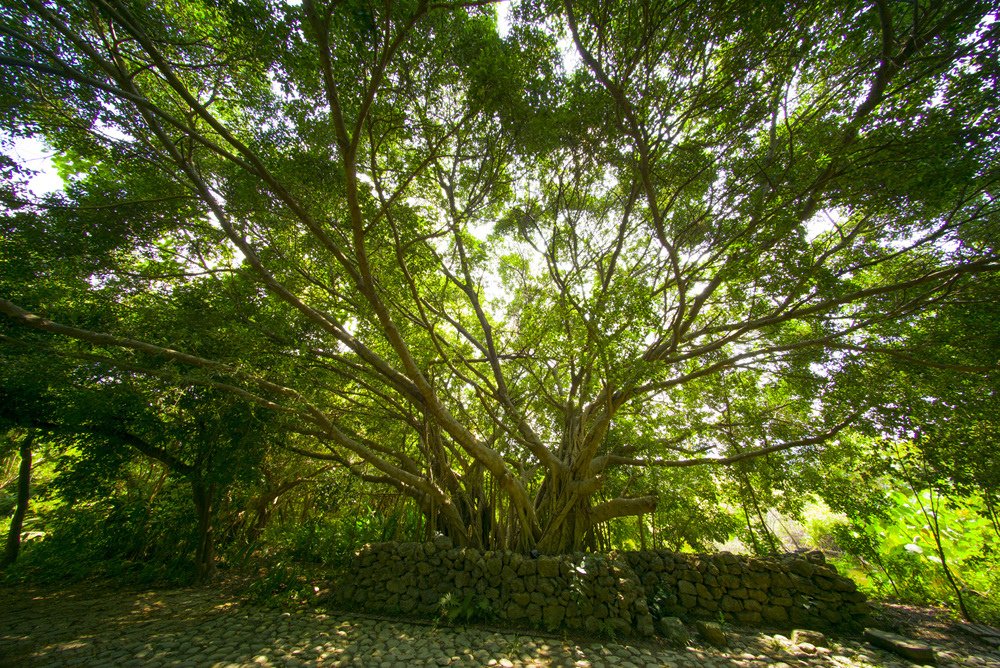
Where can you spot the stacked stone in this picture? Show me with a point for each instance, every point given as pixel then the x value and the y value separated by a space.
pixel 580 592
pixel 750 591
pixel 602 594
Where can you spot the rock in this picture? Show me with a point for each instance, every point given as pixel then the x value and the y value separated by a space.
pixel 548 567
pixel 644 626
pixel 552 616
pixel 845 584
pixel 807 647
pixel 515 612
pixel 673 631
pixel 527 567
pixel 801 567
pixel 712 633
pixel 909 649
pixel 730 604
pixel 815 638
pixel 774 614
pixel 749 618
pixel 619 626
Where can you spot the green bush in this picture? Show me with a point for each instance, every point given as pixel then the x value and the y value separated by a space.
pixel 894 555
pixel 282 584
pixel 465 608
pixel 116 537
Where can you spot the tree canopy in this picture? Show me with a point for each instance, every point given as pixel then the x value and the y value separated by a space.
pixel 517 273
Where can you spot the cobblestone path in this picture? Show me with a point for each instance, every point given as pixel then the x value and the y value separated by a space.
pixel 88 626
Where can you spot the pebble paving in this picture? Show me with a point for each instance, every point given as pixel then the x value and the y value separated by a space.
pixel 206 628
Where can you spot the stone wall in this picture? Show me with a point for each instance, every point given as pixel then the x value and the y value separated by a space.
pixel 621 593
pixel 797 590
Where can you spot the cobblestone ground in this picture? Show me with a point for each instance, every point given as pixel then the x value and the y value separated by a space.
pixel 88 626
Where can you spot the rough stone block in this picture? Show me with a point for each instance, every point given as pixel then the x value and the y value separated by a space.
pixel 801 567
pixel 831 615
pixel 686 587
pixel 515 612
pixel 673 631
pixel 807 635
pixel 729 581
pixel 712 633
pixel 619 626
pixel 774 614
pixel 845 585
pixel 527 567
pixel 904 647
pixel 707 604
pixel 730 604
pixel 552 616
pixel 548 567
pixel 780 579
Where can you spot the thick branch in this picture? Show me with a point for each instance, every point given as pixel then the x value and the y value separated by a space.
pixel 609 510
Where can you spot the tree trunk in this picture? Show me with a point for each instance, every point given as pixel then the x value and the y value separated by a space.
pixel 565 516
pixel 205 550
pixel 932 520
pixel 13 546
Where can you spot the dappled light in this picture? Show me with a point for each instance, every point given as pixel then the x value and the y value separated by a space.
pixel 672 325
pixel 99 626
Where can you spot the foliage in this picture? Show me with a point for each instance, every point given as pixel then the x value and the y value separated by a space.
pixel 331 538
pixel 466 608
pixel 662 603
pixel 893 554
pixel 114 538
pixel 283 585
pixel 689 272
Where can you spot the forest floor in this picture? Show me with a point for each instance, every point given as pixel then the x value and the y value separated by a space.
pixel 96 624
